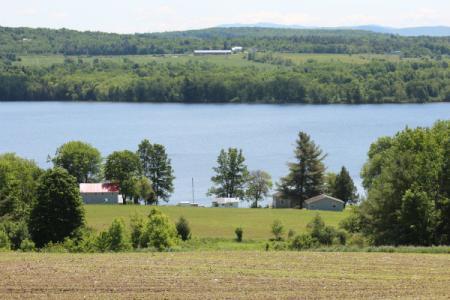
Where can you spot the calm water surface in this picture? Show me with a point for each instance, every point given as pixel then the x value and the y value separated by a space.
pixel 194 134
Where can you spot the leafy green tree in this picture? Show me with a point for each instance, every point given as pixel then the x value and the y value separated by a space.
pixel 306 176
pixel 159 233
pixel 231 174
pixel 330 183
pixel 258 187
pixel 18 185
pixel 137 226
pixel 118 240
pixel 344 188
pixel 157 167
pixel 58 211
pixel 81 160
pixel 407 180
pixel 144 190
pixel 123 167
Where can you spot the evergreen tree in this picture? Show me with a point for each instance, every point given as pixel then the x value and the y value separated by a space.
pixel 306 176
pixel 58 211
pixel 344 188
pixel 231 174
pixel 157 167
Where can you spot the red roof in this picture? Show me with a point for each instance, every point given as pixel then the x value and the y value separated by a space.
pixel 99 188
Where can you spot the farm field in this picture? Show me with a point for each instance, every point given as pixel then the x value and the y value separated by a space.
pixel 235 60
pixel 216 222
pixel 231 275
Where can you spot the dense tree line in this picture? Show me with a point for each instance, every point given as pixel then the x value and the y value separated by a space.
pixel 71 42
pixel 377 81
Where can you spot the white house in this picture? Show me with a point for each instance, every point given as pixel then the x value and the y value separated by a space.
pixel 187 204
pixel 100 193
pixel 324 202
pixel 226 202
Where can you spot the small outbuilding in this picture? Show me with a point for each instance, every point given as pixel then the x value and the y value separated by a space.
pixel 226 202
pixel 100 193
pixel 324 202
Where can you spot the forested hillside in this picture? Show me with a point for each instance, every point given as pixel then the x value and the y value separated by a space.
pixel 22 41
pixel 258 78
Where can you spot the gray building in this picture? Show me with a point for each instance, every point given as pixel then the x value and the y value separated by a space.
pixel 100 193
pixel 324 202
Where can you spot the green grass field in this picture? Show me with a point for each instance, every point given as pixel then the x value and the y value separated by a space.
pixel 235 60
pixel 217 222
pixel 225 275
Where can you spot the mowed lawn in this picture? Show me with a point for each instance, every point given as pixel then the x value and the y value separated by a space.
pixel 217 222
pixel 230 275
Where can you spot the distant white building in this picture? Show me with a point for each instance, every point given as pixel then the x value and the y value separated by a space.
pixel 212 52
pixel 237 49
pixel 187 203
pixel 226 202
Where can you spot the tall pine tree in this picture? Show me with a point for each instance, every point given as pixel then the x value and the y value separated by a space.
pixel 344 188
pixel 156 166
pixel 306 175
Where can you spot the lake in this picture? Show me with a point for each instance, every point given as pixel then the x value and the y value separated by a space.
pixel 194 134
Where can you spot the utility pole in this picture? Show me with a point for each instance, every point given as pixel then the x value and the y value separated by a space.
pixel 193 194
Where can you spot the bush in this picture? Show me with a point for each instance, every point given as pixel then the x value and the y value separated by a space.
pixel 27 245
pixel 159 233
pixel 102 241
pixel 302 242
pixel 357 240
pixel 278 230
pixel 291 234
pixel 325 235
pixel 239 233
pixel 16 231
pixel 137 227
pixel 117 236
pixel 183 229
pixel 54 248
pixel 5 243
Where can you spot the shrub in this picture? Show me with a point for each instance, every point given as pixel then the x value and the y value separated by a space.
pixel 291 234
pixel 54 248
pixel 183 229
pixel 16 231
pixel 137 227
pixel 357 240
pixel 159 233
pixel 325 235
pixel 278 230
pixel 117 236
pixel 27 245
pixel 239 233
pixel 302 242
pixel 102 241
pixel 5 243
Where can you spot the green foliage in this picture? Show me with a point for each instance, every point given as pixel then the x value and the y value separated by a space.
pixel 157 167
pixel 231 174
pixel 183 229
pixel 344 188
pixel 277 230
pixel 159 233
pixel 258 187
pixel 58 211
pixel 239 232
pixel 144 190
pixel 137 226
pixel 306 176
pixel 17 232
pixel 323 234
pixel 118 240
pixel 18 185
pixel 123 167
pixel 27 246
pixel 5 243
pixel 408 178
pixel 80 159
pixel 303 242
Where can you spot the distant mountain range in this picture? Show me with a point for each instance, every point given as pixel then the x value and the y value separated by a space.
pixel 408 31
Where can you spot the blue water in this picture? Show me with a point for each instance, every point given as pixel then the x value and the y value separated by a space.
pixel 194 134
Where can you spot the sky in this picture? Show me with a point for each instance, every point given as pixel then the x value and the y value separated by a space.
pixel 129 16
